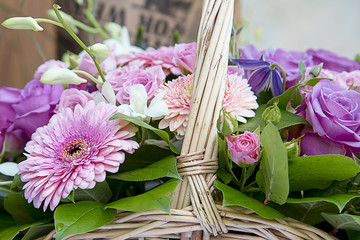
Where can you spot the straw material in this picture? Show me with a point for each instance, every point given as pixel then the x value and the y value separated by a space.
pixel 194 213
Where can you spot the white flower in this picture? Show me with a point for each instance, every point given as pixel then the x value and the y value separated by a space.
pixel 61 76
pixel 101 52
pixel 138 104
pixel 8 168
pixel 27 23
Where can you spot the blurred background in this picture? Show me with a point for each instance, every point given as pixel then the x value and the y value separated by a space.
pixel 292 25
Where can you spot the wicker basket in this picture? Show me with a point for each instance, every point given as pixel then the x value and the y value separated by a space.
pixel 194 213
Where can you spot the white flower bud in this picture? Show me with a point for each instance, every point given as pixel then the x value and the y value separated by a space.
pixel 61 76
pixel 101 52
pixel 26 23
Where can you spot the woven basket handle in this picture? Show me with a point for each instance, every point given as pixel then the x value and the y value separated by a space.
pixel 198 160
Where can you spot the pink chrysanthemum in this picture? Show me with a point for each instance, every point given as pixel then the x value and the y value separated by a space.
pixel 73 151
pixel 239 101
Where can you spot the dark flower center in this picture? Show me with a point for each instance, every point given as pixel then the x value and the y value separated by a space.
pixel 74 149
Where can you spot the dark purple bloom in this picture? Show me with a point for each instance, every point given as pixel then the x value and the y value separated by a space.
pixel 333 61
pixel 263 75
pixel 334 114
pixel 289 60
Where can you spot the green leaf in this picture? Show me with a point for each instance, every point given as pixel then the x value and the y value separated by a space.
pixel 158 198
pixel 35 232
pixel 166 167
pixel 10 232
pixel 286 97
pixel 140 123
pixel 318 172
pixel 16 181
pixel 343 221
pixel 274 165
pixel 287 119
pixel 233 197
pixel 143 157
pixel 224 175
pixel 14 204
pixel 307 212
pixel 100 193
pixel 81 217
pixel 340 200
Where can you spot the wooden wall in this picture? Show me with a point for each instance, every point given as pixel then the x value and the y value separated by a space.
pixel 19 55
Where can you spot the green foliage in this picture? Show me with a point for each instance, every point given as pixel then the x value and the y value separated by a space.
pixel 273 166
pixel 287 119
pixel 140 123
pixel 166 167
pixel 343 221
pixel 318 172
pixel 158 198
pixel 10 232
pixel 100 193
pixel 81 217
pixel 233 197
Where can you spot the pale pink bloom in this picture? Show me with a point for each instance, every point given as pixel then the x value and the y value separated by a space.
pixel 72 97
pixel 244 148
pixel 164 57
pixel 325 73
pixel 234 69
pixel 349 80
pixel 75 150
pixel 123 78
pixel 239 101
pixel 185 55
pixel 86 63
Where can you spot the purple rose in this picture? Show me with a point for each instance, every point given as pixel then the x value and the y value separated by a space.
pixel 185 55
pixel 35 107
pixel 334 114
pixel 8 96
pixel 333 61
pixel 123 78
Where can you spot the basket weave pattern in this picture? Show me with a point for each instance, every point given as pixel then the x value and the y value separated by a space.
pixel 194 213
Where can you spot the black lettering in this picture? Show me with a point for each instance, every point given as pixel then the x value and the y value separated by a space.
pixel 146 22
pixel 161 27
pixel 100 11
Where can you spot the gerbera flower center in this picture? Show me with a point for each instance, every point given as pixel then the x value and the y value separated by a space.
pixel 74 150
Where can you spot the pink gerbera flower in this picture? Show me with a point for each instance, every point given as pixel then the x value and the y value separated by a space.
pixel 239 101
pixel 73 151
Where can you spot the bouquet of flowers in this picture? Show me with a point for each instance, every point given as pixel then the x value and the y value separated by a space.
pixel 99 133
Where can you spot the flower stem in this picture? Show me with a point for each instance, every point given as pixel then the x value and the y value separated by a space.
pixel 272 66
pixel 3 148
pixel 89 76
pixel 77 39
pixel 93 21
pixel 39 20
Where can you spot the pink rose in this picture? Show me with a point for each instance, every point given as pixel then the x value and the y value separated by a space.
pixel 72 97
pixel 123 78
pixel 244 148
pixel 49 65
pixel 349 80
pixel 185 55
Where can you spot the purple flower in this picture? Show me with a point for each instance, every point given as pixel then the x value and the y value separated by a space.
pixel 8 97
pixel 312 144
pixel 123 78
pixel 263 75
pixel 289 60
pixel 333 61
pixel 36 106
pixel 244 148
pixel 334 114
